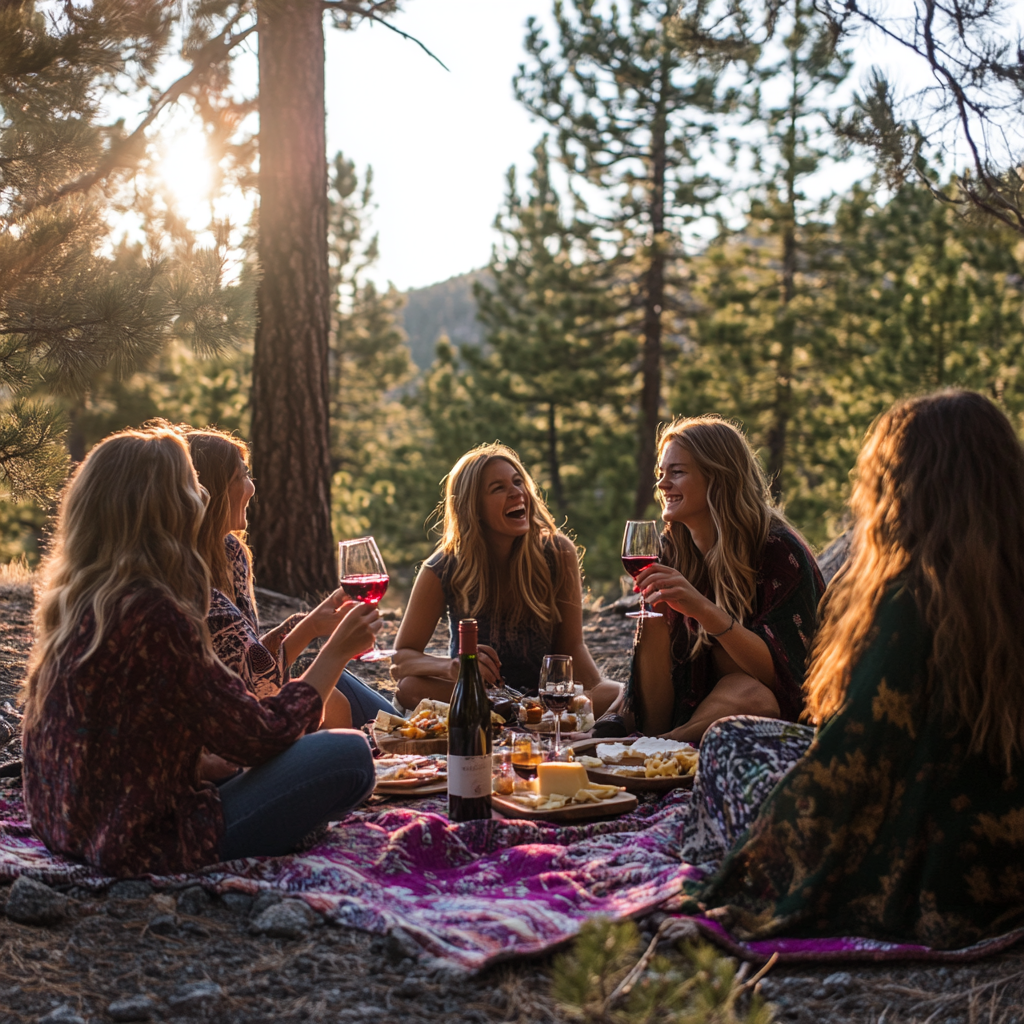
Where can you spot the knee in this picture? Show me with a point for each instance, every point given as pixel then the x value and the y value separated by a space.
pixel 347 750
pixel 750 697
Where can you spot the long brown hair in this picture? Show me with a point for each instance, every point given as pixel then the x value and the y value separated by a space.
pixel 938 502
pixel 741 509
pixel 217 457
pixel 129 516
pixel 528 591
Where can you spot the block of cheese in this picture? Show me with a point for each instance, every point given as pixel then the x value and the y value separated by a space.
pixel 560 777
pixel 385 722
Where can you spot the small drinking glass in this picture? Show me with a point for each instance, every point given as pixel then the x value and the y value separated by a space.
pixel 526 755
pixel 641 547
pixel 556 690
pixel 364 578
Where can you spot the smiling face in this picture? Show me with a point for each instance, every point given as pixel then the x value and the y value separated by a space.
pixel 240 490
pixel 684 488
pixel 504 500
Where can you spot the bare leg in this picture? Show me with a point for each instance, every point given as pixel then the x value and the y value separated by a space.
pixel 734 694
pixel 337 712
pixel 605 697
pixel 412 689
pixel 652 677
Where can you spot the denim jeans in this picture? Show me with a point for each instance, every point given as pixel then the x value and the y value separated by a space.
pixel 365 701
pixel 321 777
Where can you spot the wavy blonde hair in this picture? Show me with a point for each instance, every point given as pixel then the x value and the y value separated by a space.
pixel 129 516
pixel 741 509
pixel 528 591
pixel 938 503
pixel 216 455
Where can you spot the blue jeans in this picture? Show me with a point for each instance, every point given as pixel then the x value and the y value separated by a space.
pixel 365 701
pixel 319 778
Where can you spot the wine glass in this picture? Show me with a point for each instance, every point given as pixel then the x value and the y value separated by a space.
pixel 641 546
pixel 556 690
pixel 364 578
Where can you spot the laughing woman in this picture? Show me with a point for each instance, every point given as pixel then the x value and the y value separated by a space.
pixel 503 561
pixel 737 584
pixel 124 691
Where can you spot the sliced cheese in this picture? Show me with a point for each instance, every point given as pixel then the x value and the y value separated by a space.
pixel 560 777
pixel 385 722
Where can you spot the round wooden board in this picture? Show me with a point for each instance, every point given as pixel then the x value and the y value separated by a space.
pixel 394 788
pixel 400 745
pixel 634 785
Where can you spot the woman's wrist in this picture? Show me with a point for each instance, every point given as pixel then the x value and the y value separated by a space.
pixel 715 619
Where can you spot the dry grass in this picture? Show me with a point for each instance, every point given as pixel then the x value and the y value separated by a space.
pixel 16 578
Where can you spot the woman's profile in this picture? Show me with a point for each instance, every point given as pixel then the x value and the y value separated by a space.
pixel 738 585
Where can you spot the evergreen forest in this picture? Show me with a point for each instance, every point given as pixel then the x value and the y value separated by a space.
pixel 672 246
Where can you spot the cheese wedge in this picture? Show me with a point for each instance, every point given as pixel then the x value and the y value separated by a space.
pixel 386 722
pixel 560 777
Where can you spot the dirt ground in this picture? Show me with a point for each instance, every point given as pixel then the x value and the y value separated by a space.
pixel 134 954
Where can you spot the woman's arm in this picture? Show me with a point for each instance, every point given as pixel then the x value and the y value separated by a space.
pixel 748 652
pixel 568 637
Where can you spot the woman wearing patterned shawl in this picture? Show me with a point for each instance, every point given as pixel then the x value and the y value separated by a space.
pixel 904 818
pixel 262 662
pixel 738 586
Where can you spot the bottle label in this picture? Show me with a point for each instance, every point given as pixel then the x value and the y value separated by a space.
pixel 469 776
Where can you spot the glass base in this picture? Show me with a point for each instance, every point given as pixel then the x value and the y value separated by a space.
pixel 375 655
pixel 644 615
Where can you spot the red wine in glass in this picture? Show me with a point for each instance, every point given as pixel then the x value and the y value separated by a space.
pixel 556 691
pixel 364 577
pixel 635 563
pixel 369 588
pixel 641 546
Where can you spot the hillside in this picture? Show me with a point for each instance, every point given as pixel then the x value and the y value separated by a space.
pixel 447 307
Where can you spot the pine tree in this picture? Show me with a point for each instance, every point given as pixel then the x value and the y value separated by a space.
pixel 634 98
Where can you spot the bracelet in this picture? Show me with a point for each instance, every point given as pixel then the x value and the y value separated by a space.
pixel 732 622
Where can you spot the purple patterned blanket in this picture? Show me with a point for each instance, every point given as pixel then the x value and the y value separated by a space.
pixel 470 894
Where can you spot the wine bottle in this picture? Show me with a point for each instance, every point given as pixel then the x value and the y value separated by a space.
pixel 469 735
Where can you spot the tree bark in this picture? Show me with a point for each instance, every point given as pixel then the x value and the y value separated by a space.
pixel 653 304
pixel 291 518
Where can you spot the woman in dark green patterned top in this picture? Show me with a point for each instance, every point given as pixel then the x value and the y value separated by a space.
pixel 904 819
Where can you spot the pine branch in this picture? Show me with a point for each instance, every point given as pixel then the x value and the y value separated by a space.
pixel 354 7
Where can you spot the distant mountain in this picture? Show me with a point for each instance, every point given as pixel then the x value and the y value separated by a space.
pixel 444 308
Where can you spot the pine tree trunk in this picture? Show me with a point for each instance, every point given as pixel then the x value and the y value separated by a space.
pixel 654 301
pixel 291 518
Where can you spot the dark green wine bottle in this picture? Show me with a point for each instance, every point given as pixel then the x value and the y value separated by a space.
pixel 469 735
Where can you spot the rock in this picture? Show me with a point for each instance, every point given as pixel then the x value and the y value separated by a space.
pixel 194 901
pixel 191 998
pixel 130 889
pixel 31 902
pixel 63 1014
pixel 237 902
pixel 162 924
pixel 289 919
pixel 264 900
pixel 132 1008
pixel 838 983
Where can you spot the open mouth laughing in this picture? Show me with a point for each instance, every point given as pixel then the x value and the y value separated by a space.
pixel 517 512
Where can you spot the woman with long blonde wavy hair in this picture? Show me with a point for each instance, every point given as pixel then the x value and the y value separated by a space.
pixel 124 692
pixel 898 817
pixel 738 587
pixel 503 561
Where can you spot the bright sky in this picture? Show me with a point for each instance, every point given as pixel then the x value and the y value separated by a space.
pixel 439 141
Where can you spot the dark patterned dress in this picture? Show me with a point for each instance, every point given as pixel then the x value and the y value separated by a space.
pixel 521 650
pixel 886 828
pixel 111 766
pixel 235 631
pixel 789 587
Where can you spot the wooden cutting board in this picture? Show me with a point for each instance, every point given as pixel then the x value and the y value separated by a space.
pixel 633 785
pixel 621 804
pixel 401 745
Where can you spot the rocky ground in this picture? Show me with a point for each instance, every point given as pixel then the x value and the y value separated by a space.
pixel 135 954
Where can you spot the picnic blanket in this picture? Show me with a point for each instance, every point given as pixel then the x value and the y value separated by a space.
pixel 471 894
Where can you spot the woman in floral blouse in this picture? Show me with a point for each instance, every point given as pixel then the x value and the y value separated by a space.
pixel 901 817
pixel 222 462
pixel 124 691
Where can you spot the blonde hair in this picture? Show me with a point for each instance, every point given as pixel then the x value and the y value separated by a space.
pixel 741 509
pixel 938 503
pixel 528 591
pixel 129 516
pixel 216 456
